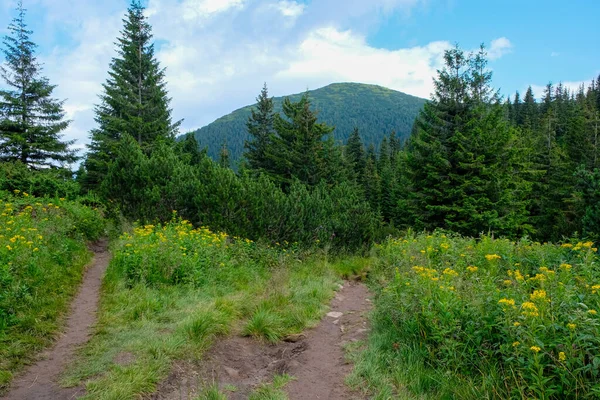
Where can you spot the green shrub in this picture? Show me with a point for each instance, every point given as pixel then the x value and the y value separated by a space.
pixel 50 182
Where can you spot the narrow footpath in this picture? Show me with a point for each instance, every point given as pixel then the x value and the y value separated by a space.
pixel 39 381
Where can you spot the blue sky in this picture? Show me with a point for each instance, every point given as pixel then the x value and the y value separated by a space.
pixel 219 52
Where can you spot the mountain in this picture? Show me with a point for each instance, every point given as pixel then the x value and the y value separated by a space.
pixel 376 111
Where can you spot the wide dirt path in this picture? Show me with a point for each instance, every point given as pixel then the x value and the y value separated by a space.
pixel 315 359
pixel 39 381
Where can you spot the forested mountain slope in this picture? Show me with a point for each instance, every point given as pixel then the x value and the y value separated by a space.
pixel 375 110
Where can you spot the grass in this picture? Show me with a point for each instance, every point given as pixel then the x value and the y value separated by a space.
pixel 482 318
pixel 272 391
pixel 42 258
pixel 171 291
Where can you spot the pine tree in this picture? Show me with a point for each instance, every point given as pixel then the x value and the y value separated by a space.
pixel 189 150
pixel 135 100
pixel 260 128
pixel 224 155
pixel 395 147
pixel 460 160
pixel 355 153
pixel 297 148
pixel 529 110
pixel 31 120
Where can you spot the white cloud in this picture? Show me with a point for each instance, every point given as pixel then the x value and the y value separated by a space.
pixel 193 9
pixel 290 8
pixel 330 55
pixel 499 47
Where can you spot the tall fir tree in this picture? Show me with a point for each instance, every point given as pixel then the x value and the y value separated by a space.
pixel 135 100
pixel 31 120
pixel 460 160
pixel 355 154
pixel 260 129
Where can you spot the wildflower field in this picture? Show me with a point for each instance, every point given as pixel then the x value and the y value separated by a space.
pixel 42 256
pixel 172 289
pixel 483 318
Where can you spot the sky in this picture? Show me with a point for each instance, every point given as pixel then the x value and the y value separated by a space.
pixel 218 53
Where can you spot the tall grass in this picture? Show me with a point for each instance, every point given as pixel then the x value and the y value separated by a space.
pixel 466 318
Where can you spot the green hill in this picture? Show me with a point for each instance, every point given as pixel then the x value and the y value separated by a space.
pixel 375 110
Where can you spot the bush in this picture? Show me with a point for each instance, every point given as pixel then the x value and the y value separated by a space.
pixel 51 182
pixel 503 318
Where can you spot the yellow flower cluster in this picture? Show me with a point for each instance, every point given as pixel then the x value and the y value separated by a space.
pixel 491 257
pixel 538 295
pixel 450 272
pixel 428 273
pixel 517 275
pixel 472 268
pixel 530 309
pixel 535 349
pixel 507 302
pixel 585 245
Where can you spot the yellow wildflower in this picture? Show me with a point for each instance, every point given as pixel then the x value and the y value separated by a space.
pixel 515 344
pixel 593 312
pixel 535 349
pixel 566 267
pixel 507 282
pixel 450 272
pixel 517 323
pixel 472 268
pixel 567 245
pixel 530 309
pixel 507 302
pixel 571 326
pixel 491 257
pixel 538 295
pixel 562 356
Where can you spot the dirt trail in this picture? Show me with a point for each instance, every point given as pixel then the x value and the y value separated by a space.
pixel 38 382
pixel 315 359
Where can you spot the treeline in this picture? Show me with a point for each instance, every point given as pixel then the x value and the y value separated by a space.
pixel 472 164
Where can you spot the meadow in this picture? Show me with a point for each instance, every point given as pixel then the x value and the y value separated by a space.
pixel 482 318
pixel 42 258
pixel 171 290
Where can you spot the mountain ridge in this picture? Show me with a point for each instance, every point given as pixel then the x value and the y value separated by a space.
pixel 375 110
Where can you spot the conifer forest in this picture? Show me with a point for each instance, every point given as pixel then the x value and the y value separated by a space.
pixel 349 242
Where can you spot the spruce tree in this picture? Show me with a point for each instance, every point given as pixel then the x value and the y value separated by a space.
pixel 134 101
pixel 460 160
pixel 260 128
pixel 31 120
pixel 297 149
pixel 224 155
pixel 355 154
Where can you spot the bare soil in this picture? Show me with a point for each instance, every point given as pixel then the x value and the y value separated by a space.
pixel 315 359
pixel 39 381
